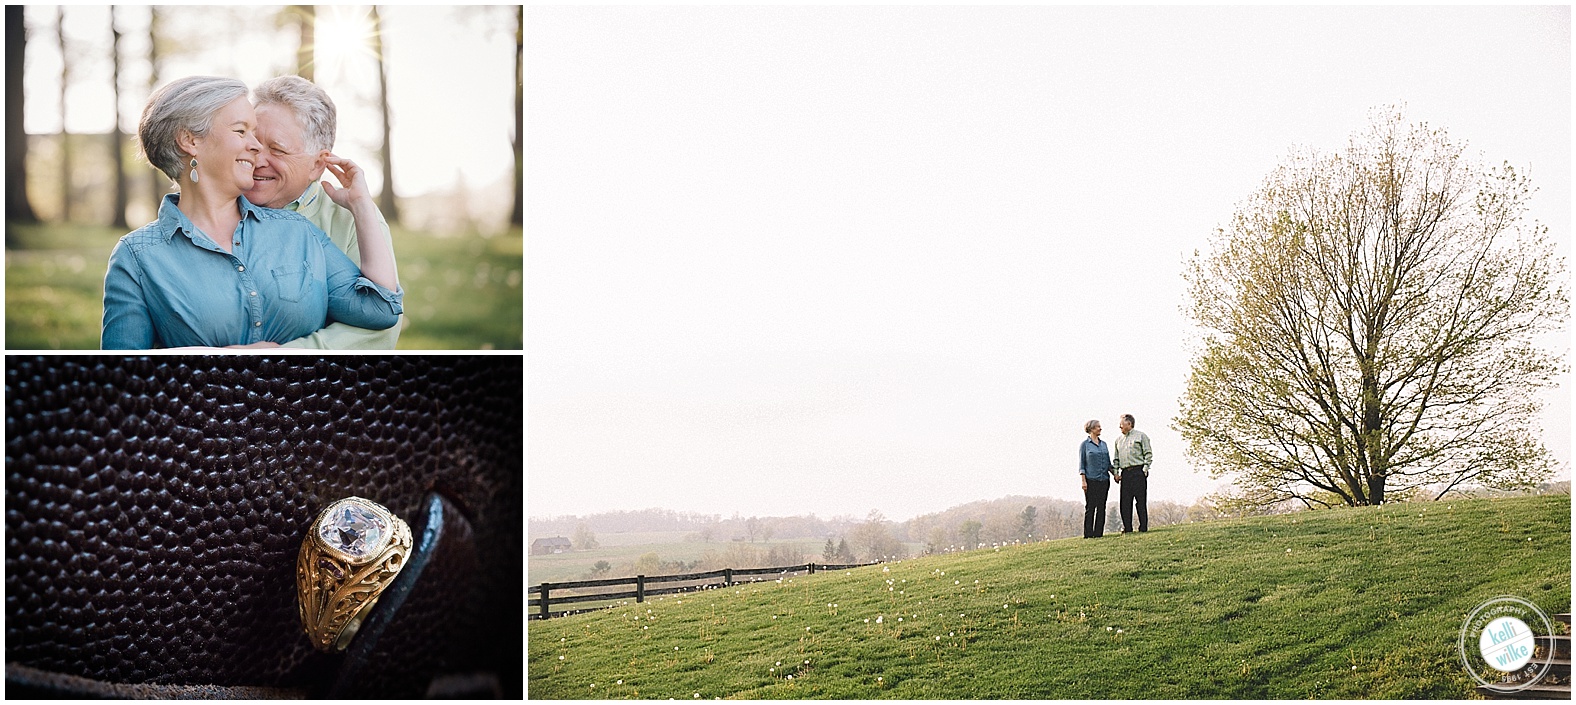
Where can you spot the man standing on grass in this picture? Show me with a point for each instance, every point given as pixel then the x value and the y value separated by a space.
pixel 1133 455
pixel 296 125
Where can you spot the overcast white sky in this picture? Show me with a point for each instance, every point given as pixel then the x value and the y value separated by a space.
pixel 818 259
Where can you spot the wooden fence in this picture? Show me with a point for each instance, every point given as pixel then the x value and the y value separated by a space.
pixel 549 595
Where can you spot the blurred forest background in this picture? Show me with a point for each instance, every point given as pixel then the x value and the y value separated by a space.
pixel 429 101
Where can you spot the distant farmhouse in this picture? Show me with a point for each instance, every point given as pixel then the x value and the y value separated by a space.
pixel 556 544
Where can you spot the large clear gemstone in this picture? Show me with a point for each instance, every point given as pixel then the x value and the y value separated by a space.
pixel 353 530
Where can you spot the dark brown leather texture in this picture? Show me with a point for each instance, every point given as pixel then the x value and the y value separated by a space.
pixel 155 507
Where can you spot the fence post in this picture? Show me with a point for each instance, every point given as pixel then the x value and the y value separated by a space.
pixel 546 612
pixel 727 577
pixel 812 569
pixel 640 588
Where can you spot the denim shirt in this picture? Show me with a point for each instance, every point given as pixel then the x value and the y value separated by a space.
pixel 171 285
pixel 1094 461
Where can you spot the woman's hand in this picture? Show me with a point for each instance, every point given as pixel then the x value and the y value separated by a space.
pixel 1084 480
pixel 353 179
pixel 373 242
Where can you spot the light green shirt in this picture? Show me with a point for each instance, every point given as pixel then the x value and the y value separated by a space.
pixel 341 228
pixel 1132 449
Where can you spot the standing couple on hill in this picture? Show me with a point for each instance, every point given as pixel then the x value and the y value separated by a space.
pixel 1128 461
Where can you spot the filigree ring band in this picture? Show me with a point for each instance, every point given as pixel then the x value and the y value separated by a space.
pixel 352 551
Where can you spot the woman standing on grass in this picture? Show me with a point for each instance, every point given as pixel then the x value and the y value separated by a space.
pixel 1094 470
pixel 215 270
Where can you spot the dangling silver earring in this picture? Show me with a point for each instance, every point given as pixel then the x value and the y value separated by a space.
pixel 194 170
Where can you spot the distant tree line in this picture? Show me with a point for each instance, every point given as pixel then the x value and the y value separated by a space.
pixel 982 524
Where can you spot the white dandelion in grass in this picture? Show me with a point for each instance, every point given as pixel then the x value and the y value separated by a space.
pixel 878 619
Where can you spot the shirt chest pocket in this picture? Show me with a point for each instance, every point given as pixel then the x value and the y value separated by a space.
pixel 290 281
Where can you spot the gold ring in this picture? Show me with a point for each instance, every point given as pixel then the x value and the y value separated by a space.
pixel 352 551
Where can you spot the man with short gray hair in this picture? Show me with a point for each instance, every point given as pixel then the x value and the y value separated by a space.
pixel 1132 456
pixel 296 122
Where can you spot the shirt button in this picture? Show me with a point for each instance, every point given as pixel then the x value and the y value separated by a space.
pixel 256 323
pixel 254 293
pixel 240 268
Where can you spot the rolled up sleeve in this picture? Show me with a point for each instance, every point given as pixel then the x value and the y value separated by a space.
pixel 355 299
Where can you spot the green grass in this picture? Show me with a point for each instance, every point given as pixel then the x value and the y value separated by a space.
pixel 462 292
pixel 1351 603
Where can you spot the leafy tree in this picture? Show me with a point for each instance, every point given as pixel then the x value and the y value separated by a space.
pixel 969 534
pixel 1368 322
pixel 829 551
pixel 1026 522
pixel 783 556
pixel 584 539
pixel 648 564
pixel 874 539
pixel 937 540
pixel 600 569
pixel 844 553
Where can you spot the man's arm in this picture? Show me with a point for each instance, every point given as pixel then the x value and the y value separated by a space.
pixel 351 217
pixel 1146 453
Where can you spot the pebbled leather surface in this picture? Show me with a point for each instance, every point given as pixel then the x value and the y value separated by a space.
pixel 154 507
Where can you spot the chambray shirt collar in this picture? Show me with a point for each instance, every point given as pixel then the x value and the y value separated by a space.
pixel 172 220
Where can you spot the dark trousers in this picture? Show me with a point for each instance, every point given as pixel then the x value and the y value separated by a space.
pixel 1094 508
pixel 1135 491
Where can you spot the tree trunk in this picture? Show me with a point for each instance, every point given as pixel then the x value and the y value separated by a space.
pixel 65 135
pixel 160 183
pixel 306 22
pixel 385 199
pixel 17 207
pixel 518 216
pixel 117 138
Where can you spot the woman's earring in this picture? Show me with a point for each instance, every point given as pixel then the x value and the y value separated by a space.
pixel 194 170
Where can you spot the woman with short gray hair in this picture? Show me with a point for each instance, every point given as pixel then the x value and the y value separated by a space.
pixel 215 270
pixel 1094 470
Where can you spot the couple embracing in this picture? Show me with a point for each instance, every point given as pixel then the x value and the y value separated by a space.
pixel 251 250
pixel 1127 461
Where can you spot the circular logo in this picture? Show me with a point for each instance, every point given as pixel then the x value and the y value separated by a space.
pixel 1506 644
pixel 1508 656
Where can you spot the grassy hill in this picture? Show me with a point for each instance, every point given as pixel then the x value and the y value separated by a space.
pixel 1349 603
